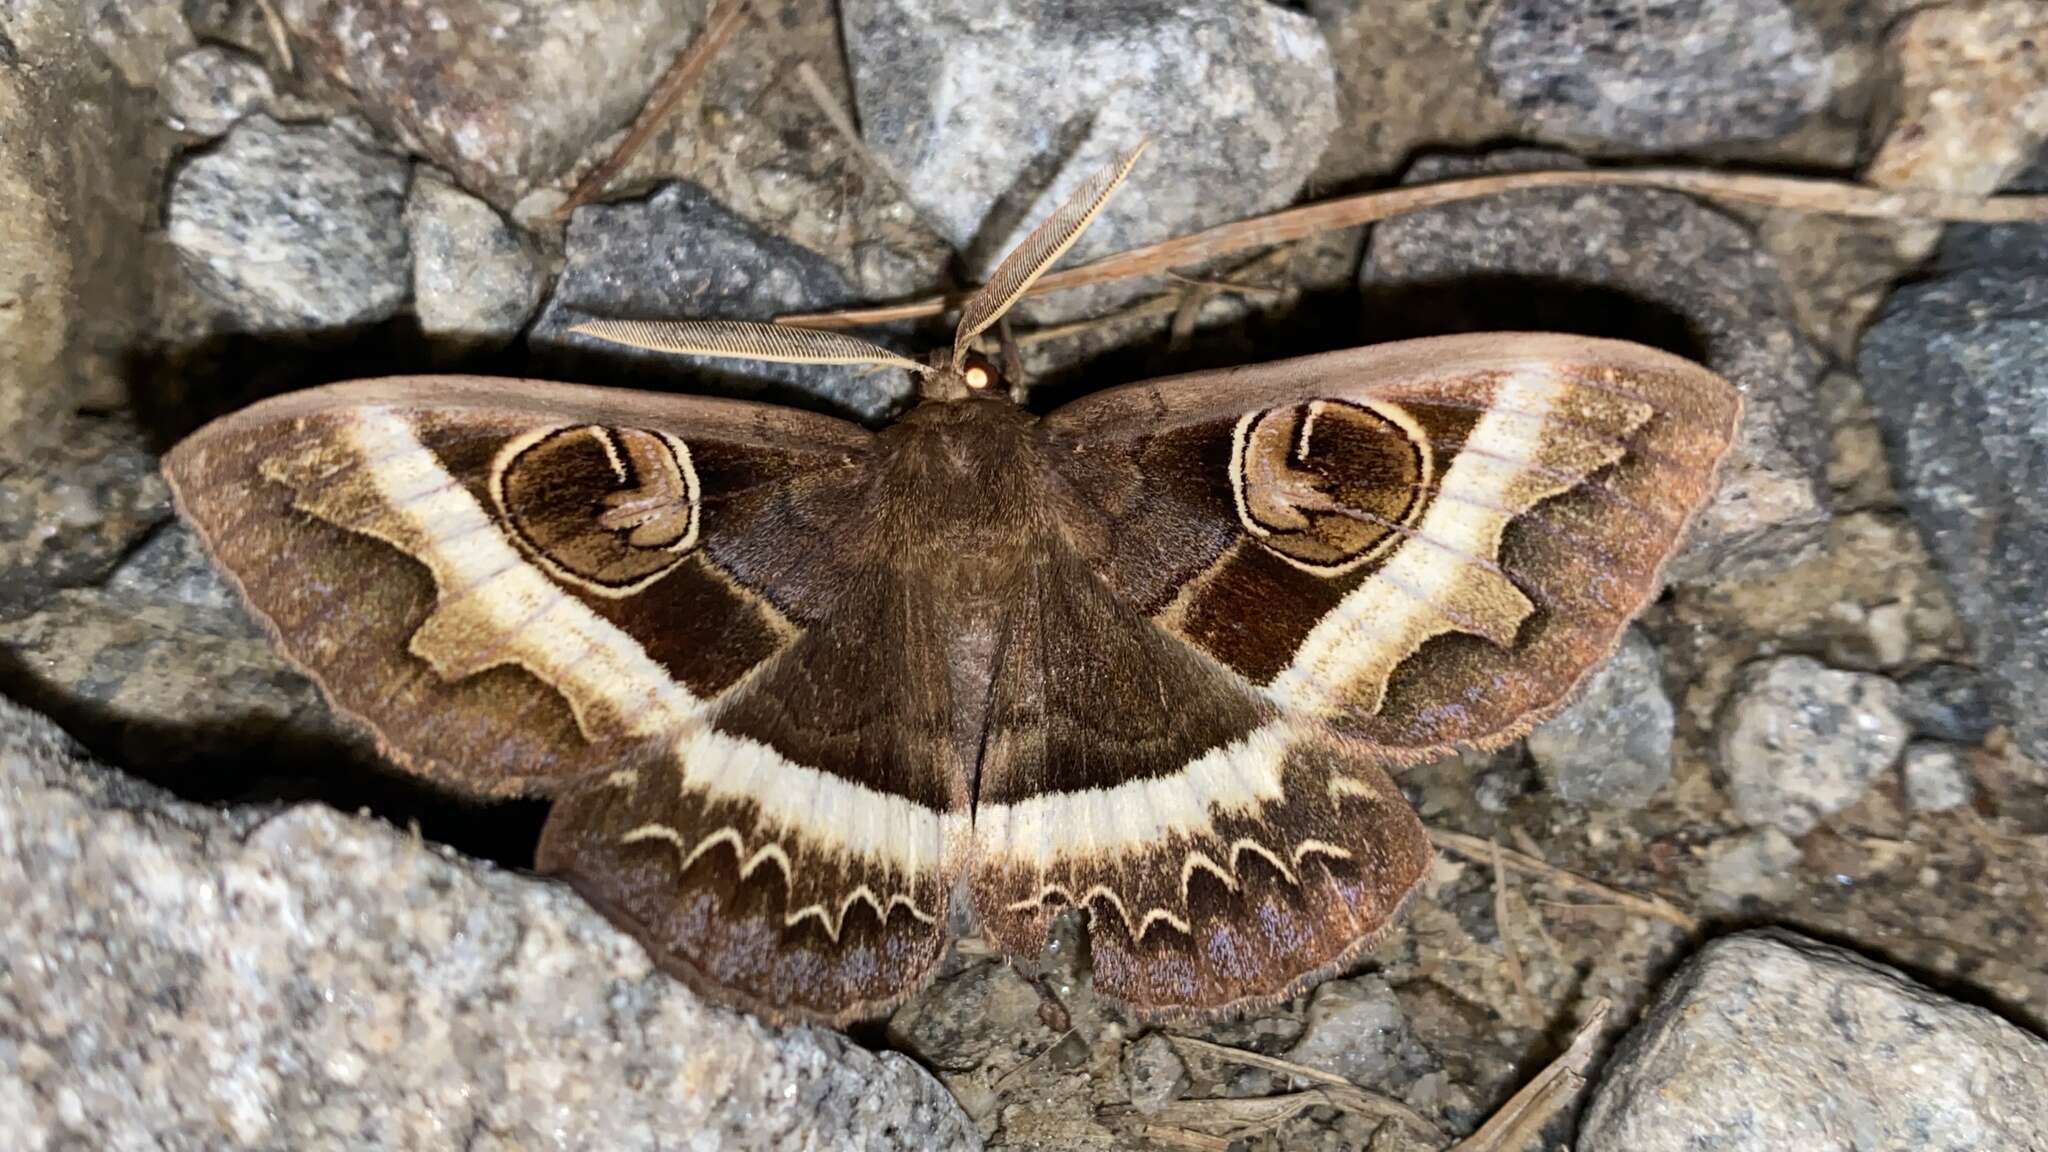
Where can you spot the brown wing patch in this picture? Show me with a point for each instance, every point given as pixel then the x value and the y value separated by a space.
pixel 1219 860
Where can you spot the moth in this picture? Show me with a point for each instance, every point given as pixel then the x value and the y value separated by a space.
pixel 793 687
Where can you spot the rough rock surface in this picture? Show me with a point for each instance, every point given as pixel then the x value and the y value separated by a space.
pixel 475 278
pixel 1356 1029
pixel 177 977
pixel 293 227
pixel 992 113
pixel 503 93
pixel 1658 74
pixel 1769 1041
pixel 1936 776
pixel 680 255
pixel 1649 266
pixel 1946 702
pixel 1800 741
pixel 211 87
pixel 1612 746
pixel 1954 367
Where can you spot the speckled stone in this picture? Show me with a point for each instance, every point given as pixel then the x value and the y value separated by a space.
pixel 1799 741
pixel 680 255
pixel 991 113
pixel 174 977
pixel 1611 748
pixel 293 227
pixel 1356 1029
pixel 1154 1074
pixel 1654 267
pixel 208 89
pixel 1657 75
pixel 506 94
pixel 1768 1041
pixel 475 278
pixel 1947 702
pixel 1955 368
pixel 1936 776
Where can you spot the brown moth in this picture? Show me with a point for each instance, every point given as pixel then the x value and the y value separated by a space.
pixel 786 680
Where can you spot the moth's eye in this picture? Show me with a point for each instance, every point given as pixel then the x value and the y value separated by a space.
pixel 978 376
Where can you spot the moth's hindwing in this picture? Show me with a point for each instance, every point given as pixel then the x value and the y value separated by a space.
pixel 1389 555
pixel 527 588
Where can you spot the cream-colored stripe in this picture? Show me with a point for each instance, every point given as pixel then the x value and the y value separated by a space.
pixel 832 813
pixel 586 657
pixel 1354 637
pixel 1043 830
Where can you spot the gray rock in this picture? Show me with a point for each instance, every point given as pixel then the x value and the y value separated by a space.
pixel 475 278
pixel 990 113
pixel 138 37
pixel 1937 776
pixel 71 509
pixel 1768 1041
pixel 1356 1029
pixel 208 89
pixel 293 227
pixel 1947 702
pixel 1753 868
pixel 506 94
pixel 175 977
pixel 1799 740
pixel 1657 75
pixel 1954 366
pixel 1612 747
pixel 1154 1075
pixel 1649 266
pixel 679 255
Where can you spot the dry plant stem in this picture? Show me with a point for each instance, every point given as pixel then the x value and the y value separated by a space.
pixel 683 75
pixel 273 25
pixel 1342 1093
pixel 1826 197
pixel 1482 851
pixel 1505 928
pixel 1521 1119
pixel 835 114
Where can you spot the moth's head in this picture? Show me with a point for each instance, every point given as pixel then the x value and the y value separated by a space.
pixel 976 376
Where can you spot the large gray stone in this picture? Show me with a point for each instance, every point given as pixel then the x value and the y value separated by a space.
pixel 1957 369
pixel 990 112
pixel 1612 747
pixel 680 255
pixel 289 228
pixel 506 94
pixel 1769 1041
pixel 1657 75
pixel 1800 741
pixel 173 977
pixel 1655 267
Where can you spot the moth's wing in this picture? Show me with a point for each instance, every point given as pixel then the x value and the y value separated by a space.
pixel 1365 559
pixel 1226 854
pixel 541 589
pixel 1424 544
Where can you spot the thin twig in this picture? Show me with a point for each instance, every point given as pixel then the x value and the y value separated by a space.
pixel 1481 851
pixel 689 67
pixel 1519 1120
pixel 1826 197
pixel 836 115
pixel 274 25
pixel 1503 927
pixel 1342 1093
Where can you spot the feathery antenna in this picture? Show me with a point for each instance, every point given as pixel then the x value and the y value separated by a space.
pixel 1039 252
